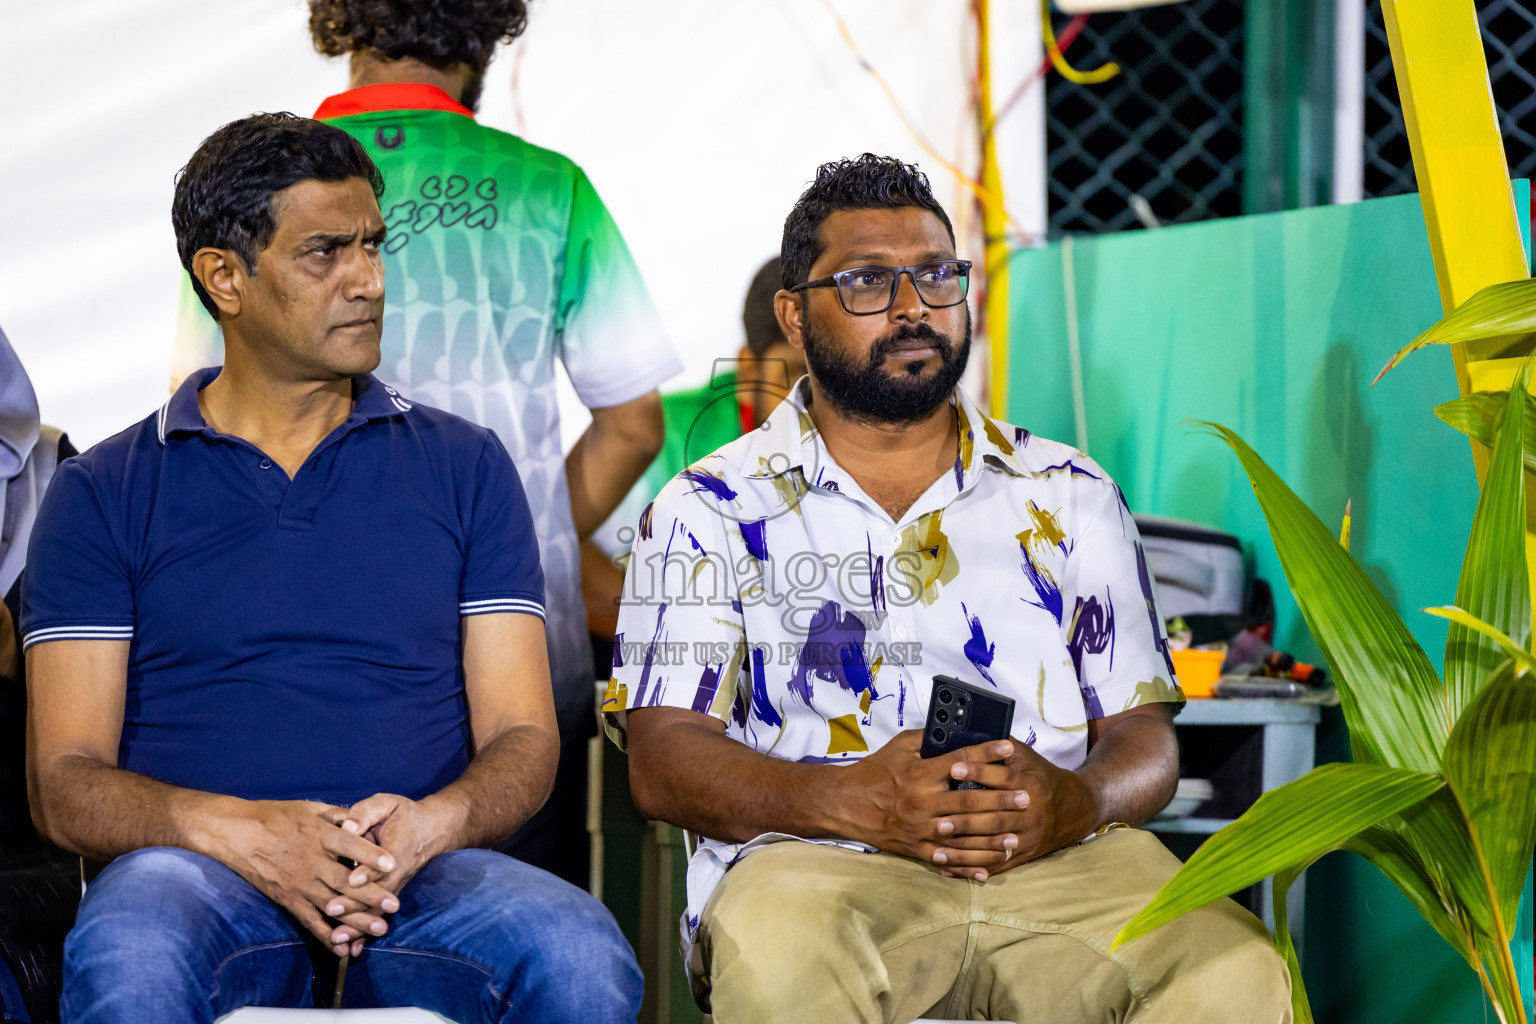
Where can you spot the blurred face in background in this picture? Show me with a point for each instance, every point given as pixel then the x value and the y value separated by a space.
pixel 763 381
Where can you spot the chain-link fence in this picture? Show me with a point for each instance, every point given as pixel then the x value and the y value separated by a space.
pixel 1509 43
pixel 1167 129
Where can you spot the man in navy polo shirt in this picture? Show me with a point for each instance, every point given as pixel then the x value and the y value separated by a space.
pixel 290 622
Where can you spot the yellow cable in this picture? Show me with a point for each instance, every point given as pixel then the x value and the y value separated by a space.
pixel 983 194
pixel 1067 71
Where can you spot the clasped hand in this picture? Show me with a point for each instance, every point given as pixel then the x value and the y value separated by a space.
pixel 902 804
pixel 293 852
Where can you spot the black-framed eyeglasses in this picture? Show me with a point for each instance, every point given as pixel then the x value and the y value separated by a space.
pixel 867 290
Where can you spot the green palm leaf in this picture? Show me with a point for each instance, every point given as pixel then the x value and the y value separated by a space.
pixel 1460 618
pixel 1490 763
pixel 1477 415
pixel 1437 832
pixel 1397 858
pixel 1392 698
pixel 1290 825
pixel 1494 585
pixel 1498 975
pixel 1300 1004
pixel 1498 311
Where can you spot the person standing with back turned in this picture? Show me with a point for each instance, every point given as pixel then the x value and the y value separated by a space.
pixel 501 259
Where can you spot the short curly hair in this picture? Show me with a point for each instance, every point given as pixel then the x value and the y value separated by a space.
pixel 224 195
pixel 439 33
pixel 867 183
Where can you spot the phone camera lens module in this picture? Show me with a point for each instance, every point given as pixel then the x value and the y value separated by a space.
pixel 938 735
pixel 945 697
pixel 961 702
pixel 941 715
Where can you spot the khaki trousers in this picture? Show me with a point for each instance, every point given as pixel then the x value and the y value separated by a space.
pixel 812 934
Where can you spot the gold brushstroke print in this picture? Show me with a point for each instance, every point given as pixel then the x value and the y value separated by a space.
pixel 1037 545
pixel 791 487
pixel 925 557
pixel 844 736
pixel 807 426
pixel 730 682
pixel 996 436
pixel 1158 691
pixel 1046 531
pixel 967 439
pixel 1040 709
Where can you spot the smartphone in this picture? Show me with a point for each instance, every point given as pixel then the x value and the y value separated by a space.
pixel 961 715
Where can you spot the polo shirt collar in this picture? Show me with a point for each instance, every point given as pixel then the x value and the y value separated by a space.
pixel 371 99
pixel 790 440
pixel 372 398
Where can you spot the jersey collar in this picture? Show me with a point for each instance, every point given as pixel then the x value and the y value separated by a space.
pixel 370 99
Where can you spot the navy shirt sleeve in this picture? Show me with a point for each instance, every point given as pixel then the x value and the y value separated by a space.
pixel 78 585
pixel 501 561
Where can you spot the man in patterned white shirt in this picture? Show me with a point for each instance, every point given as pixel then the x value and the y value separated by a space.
pixel 790 598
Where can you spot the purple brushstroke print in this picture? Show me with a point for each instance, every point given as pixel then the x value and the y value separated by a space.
pixel 704 480
pixel 977 651
pixel 833 651
pixel 1145 579
pixel 761 707
pixel 1045 587
pixel 650 656
pixel 756 537
pixel 1093 630
pixel 709 682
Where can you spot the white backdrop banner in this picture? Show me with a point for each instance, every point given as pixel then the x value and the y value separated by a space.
pixel 699 122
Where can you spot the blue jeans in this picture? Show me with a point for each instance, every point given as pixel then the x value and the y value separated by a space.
pixel 169 936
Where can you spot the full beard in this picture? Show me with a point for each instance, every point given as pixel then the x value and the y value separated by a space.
pixel 873 393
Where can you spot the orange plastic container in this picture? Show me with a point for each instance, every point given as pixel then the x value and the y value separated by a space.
pixel 1198 671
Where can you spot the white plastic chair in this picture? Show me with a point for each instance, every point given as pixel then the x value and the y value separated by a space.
pixel 274 1015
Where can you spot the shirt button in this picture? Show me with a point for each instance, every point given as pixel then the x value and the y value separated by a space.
pixel 266 463
pixel 901 631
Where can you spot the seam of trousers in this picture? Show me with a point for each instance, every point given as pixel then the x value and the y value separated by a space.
pixel 502 999
pixel 960 995
pixel 922 931
pixel 213 993
pixel 1137 989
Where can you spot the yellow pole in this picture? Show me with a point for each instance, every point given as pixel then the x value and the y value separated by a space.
pixel 994 223
pixel 1469 207
pixel 1458 159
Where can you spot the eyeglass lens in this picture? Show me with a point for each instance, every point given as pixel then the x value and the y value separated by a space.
pixel 873 289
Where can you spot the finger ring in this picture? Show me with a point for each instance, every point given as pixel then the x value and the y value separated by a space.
pixel 1007 855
